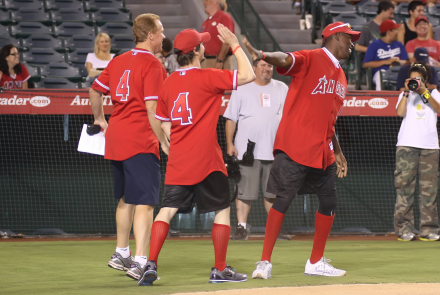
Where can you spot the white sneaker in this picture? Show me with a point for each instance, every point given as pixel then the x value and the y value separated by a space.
pixel 263 270
pixel 323 268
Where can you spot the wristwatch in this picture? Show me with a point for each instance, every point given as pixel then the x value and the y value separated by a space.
pixel 219 61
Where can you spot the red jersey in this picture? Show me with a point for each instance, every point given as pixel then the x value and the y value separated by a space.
pixel 431 45
pixel 212 47
pixel 191 99
pixel 16 81
pixel 131 79
pixel 315 97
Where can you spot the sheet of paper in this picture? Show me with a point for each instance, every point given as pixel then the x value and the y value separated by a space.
pixel 92 144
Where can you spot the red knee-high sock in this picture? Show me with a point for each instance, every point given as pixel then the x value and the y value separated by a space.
pixel 159 233
pixel 273 227
pixel 323 225
pixel 220 239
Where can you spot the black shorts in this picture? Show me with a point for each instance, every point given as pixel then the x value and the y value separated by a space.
pixel 288 178
pixel 138 179
pixel 212 194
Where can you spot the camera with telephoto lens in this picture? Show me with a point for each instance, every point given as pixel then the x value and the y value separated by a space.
pixel 248 156
pixel 414 84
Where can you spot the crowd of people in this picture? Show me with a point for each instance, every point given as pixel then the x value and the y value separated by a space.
pixel 387 43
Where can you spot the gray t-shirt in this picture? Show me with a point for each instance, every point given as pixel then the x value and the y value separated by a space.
pixel 258 111
pixel 369 33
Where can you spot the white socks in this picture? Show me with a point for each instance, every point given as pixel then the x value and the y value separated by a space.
pixel 125 252
pixel 242 224
pixel 142 260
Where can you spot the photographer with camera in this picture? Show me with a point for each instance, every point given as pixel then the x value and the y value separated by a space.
pixel 257 108
pixel 417 154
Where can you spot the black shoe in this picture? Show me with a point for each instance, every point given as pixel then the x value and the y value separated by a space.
pixel 240 233
pixel 229 274
pixel 150 274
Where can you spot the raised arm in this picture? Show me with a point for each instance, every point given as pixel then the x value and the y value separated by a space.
pixel 278 59
pixel 245 72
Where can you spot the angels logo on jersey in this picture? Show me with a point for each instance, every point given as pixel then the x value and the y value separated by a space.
pixel 325 86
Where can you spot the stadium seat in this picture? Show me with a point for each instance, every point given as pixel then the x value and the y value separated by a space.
pixel 95 5
pixel 122 41
pixel 70 15
pixel 25 29
pixel 28 4
pixel 389 78
pixel 57 83
pixel 68 29
pixel 78 57
pixel 61 70
pixel 80 41
pixel 434 21
pixel 402 9
pixel 34 72
pixel 335 8
pixel 5 17
pixel 30 15
pixel 6 39
pixel 104 15
pixel 116 29
pixel 123 50
pixel 42 56
pixel 368 9
pixel 356 21
pixel 58 4
pixel 42 41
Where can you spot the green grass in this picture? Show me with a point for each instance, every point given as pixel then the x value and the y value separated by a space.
pixel 184 266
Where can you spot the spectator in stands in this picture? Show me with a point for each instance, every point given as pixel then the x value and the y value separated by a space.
pixel 422 40
pixel 13 74
pixel 417 154
pixel 170 58
pixel 257 108
pixel 371 32
pixel 422 57
pixel 407 32
pixel 101 56
pixel 385 51
pixel 217 54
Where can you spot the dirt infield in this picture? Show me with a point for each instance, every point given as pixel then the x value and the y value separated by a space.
pixel 360 289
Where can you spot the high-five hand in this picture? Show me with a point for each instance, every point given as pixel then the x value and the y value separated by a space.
pixel 226 36
pixel 256 54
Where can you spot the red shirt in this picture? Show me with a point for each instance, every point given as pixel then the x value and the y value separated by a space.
pixel 431 45
pixel 131 79
pixel 191 100
pixel 16 81
pixel 212 47
pixel 315 97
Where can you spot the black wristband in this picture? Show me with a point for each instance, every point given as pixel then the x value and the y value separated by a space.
pixel 219 61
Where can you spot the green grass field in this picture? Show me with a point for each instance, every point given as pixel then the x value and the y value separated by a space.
pixel 184 266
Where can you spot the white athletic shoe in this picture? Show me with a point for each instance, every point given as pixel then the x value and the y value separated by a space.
pixel 263 270
pixel 323 268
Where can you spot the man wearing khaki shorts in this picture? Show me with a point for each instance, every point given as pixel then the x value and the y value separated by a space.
pixel 258 108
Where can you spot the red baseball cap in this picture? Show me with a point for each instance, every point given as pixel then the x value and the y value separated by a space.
pixel 340 27
pixel 188 39
pixel 420 18
pixel 387 25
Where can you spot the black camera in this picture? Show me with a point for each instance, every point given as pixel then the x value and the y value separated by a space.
pixel 414 84
pixel 248 156
pixel 232 167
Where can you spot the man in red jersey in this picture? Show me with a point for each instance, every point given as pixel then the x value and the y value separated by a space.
pixel 218 55
pixel 188 106
pixel 307 153
pixel 134 80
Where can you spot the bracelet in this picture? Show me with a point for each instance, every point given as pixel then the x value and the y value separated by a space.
pixel 405 93
pixel 264 56
pixel 219 61
pixel 233 51
pixel 426 94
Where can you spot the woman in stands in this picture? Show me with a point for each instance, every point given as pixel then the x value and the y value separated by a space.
pixel 13 74
pixel 99 59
